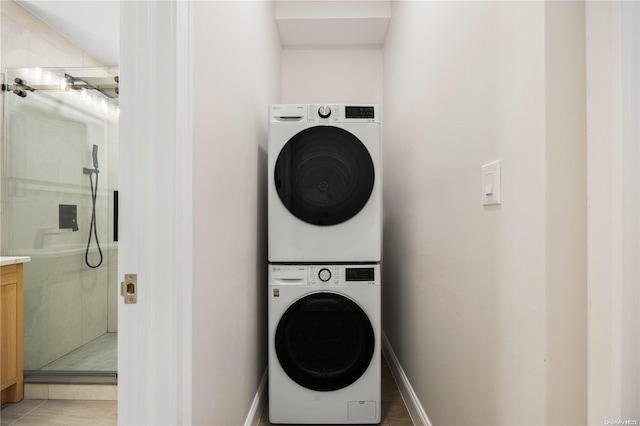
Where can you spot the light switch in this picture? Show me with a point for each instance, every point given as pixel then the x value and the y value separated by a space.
pixel 488 183
pixel 491 183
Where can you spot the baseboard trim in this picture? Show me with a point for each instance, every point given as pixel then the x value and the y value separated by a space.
pixel 255 412
pixel 416 411
pixel 95 392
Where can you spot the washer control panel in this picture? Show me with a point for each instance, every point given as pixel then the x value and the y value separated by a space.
pixel 324 111
pixel 324 274
pixel 342 275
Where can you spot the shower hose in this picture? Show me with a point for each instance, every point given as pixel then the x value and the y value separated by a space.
pixel 93 226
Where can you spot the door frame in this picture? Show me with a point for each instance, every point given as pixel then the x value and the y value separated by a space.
pixel 155 181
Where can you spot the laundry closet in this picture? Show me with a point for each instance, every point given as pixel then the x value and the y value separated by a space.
pixel 469 300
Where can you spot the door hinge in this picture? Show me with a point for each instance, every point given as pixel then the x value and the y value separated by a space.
pixel 129 289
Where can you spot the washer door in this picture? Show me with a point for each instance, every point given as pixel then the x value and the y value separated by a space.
pixel 324 175
pixel 324 342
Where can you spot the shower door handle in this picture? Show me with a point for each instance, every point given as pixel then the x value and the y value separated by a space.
pixel 129 289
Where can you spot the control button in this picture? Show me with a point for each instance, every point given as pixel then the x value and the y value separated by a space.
pixel 324 275
pixel 324 111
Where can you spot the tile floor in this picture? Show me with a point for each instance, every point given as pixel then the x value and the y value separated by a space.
pixel 97 355
pixel 394 411
pixel 100 354
pixel 31 412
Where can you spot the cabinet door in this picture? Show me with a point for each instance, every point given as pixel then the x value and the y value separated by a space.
pixel 8 334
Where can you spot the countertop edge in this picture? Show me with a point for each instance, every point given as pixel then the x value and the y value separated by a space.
pixel 12 260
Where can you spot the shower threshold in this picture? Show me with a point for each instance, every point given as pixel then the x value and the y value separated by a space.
pixel 93 363
pixel 71 378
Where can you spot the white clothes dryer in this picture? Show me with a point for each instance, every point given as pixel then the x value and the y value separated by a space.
pixel 324 344
pixel 324 183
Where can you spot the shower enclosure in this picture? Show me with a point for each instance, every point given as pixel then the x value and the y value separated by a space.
pixel 59 182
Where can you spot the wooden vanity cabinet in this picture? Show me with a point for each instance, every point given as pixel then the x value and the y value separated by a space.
pixel 11 323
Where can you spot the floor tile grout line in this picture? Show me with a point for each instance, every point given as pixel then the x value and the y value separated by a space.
pixel 28 412
pixel 37 411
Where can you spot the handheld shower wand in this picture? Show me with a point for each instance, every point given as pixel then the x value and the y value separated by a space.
pixel 94 195
pixel 95 156
pixel 95 170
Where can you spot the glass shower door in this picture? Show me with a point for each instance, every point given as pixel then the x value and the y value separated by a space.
pixel 59 177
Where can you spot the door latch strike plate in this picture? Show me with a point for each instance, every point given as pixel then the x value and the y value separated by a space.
pixel 129 289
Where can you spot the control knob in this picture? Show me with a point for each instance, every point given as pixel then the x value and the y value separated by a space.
pixel 324 111
pixel 324 274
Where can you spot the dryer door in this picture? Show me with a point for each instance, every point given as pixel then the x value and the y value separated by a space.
pixel 324 175
pixel 324 341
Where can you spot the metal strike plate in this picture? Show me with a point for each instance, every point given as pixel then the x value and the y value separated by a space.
pixel 129 289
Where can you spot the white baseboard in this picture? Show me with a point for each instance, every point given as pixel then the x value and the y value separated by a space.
pixel 416 411
pixel 255 412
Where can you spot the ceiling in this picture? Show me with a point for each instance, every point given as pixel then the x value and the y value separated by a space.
pixel 332 24
pixel 95 25
pixel 92 25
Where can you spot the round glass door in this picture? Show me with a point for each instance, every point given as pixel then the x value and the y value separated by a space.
pixel 324 175
pixel 324 342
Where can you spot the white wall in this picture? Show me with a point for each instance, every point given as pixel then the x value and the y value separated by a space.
pixel 566 214
pixel 329 75
pixel 630 291
pixel 613 88
pixel 236 76
pixel 470 306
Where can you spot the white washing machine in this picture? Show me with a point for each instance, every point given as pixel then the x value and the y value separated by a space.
pixel 324 344
pixel 325 183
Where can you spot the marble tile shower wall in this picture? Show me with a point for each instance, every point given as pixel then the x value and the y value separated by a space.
pixel 65 307
pixel 66 303
pixel 28 42
pixel 47 145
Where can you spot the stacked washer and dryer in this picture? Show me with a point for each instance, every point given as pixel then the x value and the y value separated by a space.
pixel 325 244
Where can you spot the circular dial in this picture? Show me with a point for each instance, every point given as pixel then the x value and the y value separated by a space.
pixel 324 111
pixel 324 274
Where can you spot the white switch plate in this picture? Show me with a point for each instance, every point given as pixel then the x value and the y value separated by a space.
pixel 491 183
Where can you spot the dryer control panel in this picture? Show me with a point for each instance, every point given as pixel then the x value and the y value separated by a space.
pixel 324 113
pixel 327 113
